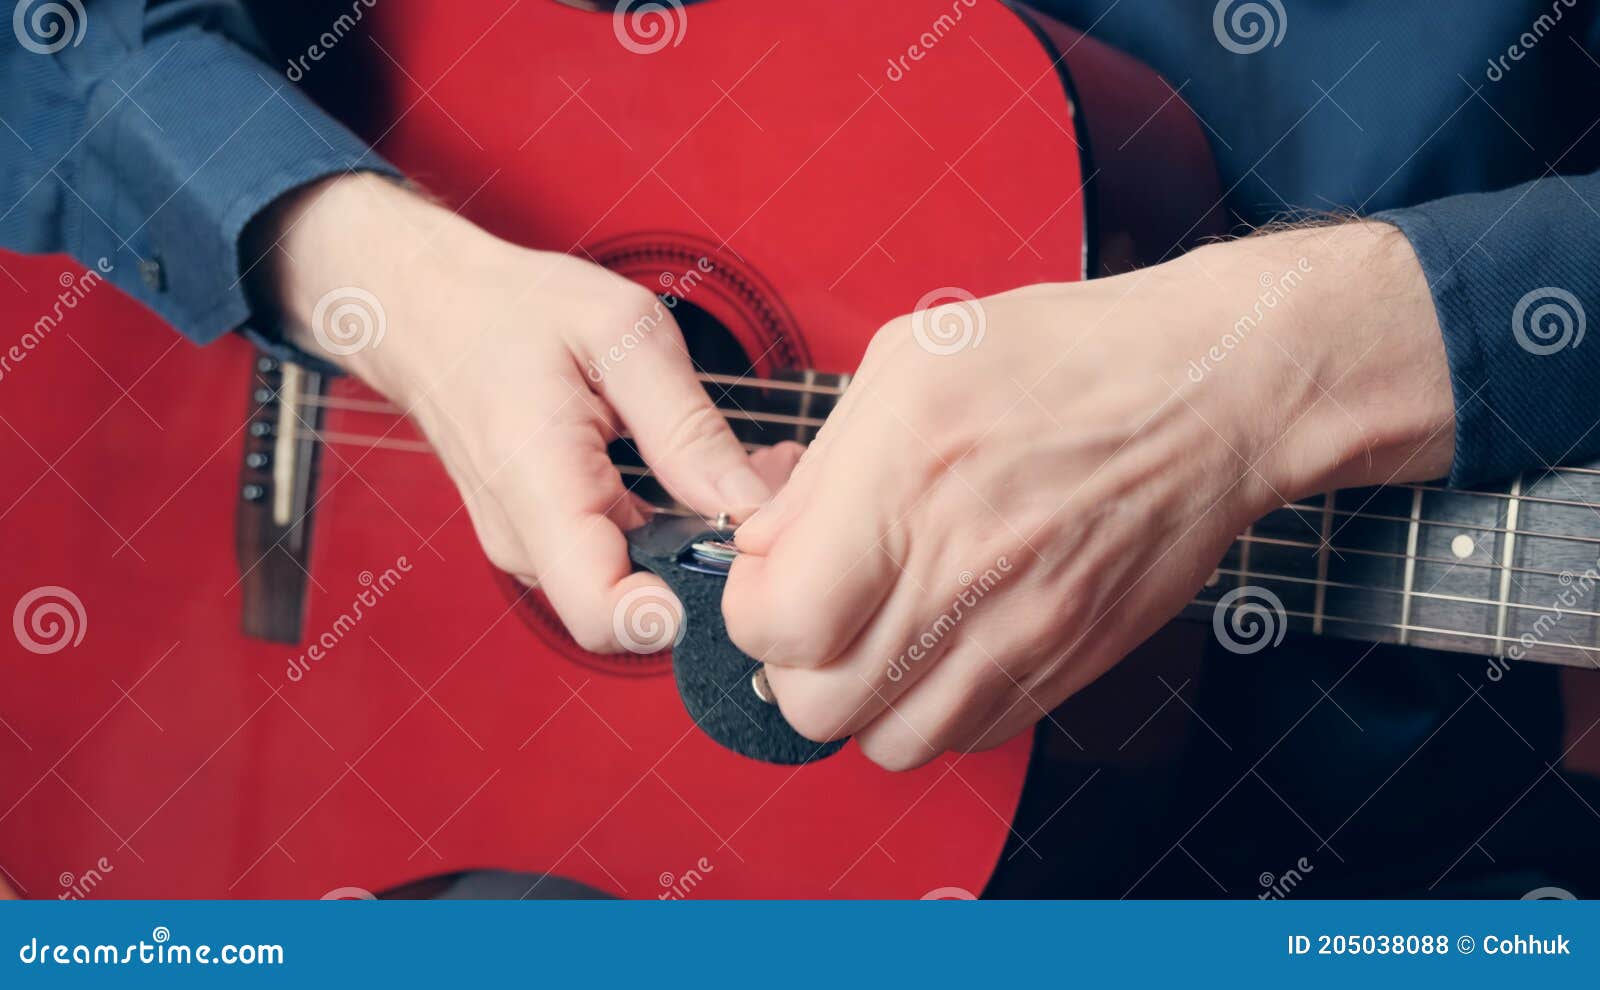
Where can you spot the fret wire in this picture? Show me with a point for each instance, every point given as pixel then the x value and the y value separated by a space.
pixel 805 407
pixel 1411 561
pixel 1321 595
pixel 1508 558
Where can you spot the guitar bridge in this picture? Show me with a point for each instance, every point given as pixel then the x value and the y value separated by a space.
pixel 272 525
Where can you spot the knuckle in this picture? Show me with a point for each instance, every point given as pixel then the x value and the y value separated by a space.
pixel 699 428
pixel 505 554
pixel 636 311
pixel 888 339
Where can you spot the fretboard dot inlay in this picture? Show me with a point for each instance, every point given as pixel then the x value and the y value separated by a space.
pixel 1462 546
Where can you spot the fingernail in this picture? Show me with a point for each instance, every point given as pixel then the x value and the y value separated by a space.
pixel 743 489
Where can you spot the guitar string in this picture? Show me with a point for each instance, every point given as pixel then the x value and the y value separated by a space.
pixel 1441 523
pixel 422 447
pixel 1495 638
pixel 1459 562
pixel 1326 617
pixel 377 406
pixel 1385 589
pixel 419 446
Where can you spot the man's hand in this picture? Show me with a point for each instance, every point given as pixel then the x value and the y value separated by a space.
pixel 519 366
pixel 1015 492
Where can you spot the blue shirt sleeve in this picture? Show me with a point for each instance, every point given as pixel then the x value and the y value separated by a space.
pixel 1515 277
pixel 144 137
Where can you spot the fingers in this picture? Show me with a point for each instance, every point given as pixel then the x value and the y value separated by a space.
pixel 804 595
pixel 894 652
pixel 679 432
pixel 938 713
pixel 776 463
pixel 569 509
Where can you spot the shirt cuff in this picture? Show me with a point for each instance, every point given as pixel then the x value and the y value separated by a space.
pixel 1515 276
pixel 189 139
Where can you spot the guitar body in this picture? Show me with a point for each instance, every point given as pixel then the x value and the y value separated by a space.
pixel 422 714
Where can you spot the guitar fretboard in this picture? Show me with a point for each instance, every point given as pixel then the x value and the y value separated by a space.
pixel 1509 570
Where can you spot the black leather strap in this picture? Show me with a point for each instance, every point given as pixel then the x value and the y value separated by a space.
pixel 714 677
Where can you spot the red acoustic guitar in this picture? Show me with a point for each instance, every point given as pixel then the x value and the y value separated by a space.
pixel 256 650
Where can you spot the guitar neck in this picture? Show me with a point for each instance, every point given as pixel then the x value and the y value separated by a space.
pixel 1503 571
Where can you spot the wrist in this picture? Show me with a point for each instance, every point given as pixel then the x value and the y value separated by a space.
pixel 1354 377
pixel 337 258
